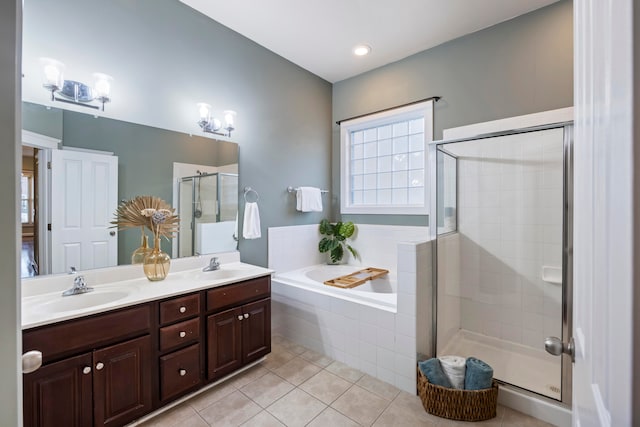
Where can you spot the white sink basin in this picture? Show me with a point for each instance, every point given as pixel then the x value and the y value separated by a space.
pixel 59 304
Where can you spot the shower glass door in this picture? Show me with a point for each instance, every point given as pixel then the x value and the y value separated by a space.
pixel 499 268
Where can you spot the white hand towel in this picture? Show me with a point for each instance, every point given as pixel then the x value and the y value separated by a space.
pixel 454 368
pixel 309 199
pixel 251 224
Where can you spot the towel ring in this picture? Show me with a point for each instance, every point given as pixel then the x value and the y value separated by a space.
pixel 249 190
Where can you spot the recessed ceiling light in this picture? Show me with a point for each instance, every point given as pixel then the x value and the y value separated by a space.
pixel 361 50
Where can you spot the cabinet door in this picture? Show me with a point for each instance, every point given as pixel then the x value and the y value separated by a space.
pixel 256 330
pixel 224 348
pixel 59 394
pixel 122 382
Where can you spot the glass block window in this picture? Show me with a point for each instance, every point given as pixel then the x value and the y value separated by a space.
pixel 384 158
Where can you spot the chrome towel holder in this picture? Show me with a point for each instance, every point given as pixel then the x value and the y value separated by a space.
pixel 249 190
pixel 290 189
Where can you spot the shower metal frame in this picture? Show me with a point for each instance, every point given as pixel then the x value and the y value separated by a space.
pixel 567 243
pixel 193 200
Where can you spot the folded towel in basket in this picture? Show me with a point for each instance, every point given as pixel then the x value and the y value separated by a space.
pixel 454 367
pixel 478 375
pixel 433 371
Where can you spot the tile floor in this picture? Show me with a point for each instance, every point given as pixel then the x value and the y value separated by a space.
pixel 295 386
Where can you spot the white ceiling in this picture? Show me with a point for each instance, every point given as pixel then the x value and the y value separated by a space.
pixel 319 35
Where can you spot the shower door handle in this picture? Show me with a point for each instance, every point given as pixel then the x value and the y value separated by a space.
pixel 555 346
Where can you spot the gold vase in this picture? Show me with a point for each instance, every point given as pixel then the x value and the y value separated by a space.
pixel 137 257
pixel 156 263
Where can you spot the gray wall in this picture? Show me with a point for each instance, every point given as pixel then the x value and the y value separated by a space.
pixel 521 66
pixel 165 57
pixel 10 330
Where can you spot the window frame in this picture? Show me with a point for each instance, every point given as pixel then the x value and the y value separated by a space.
pixel 421 109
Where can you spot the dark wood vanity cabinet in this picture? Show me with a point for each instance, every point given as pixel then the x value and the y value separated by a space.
pixel 113 368
pixel 239 329
pixel 108 384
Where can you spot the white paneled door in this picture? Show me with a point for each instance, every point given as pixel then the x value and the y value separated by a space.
pixel 603 373
pixel 84 196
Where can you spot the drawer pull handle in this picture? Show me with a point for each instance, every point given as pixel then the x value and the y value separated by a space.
pixel 182 372
pixel 246 315
pixel 240 317
pixel 183 334
pixel 99 366
pixel 86 370
pixel 183 309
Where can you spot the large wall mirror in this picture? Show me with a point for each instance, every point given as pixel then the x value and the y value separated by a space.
pixel 195 174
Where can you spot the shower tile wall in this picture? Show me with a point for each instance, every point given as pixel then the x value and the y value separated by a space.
pixel 510 224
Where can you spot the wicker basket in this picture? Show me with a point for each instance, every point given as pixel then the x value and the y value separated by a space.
pixel 454 404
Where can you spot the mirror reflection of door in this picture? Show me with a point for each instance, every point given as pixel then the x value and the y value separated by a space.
pixel 84 195
pixel 29 212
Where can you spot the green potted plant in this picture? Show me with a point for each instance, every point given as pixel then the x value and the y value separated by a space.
pixel 335 239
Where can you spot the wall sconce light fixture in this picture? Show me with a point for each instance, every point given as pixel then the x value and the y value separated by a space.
pixel 210 124
pixel 72 91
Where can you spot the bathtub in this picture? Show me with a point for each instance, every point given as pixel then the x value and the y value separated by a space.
pixel 379 293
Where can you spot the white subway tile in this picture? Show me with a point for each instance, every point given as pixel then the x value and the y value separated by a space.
pixel 368 333
pixel 367 352
pixel 368 368
pixel 385 339
pixel 408 385
pixel 407 304
pixel 404 365
pixel 385 358
pixel 406 325
pixel 405 345
pixel 386 375
pixel 386 320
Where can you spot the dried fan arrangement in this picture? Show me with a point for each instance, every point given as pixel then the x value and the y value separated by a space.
pixel 159 217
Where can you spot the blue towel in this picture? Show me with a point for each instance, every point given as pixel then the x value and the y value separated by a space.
pixel 478 375
pixel 433 371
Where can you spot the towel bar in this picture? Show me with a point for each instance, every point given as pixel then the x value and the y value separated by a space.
pixel 290 189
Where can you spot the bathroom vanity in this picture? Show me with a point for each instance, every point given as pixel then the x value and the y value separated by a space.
pixel 131 358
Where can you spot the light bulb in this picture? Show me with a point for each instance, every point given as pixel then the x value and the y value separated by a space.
pixel 229 116
pixel 204 109
pixel 53 73
pixel 102 85
pixel 361 50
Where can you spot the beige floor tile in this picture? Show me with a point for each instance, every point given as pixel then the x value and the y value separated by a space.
pixel 297 370
pixel 317 358
pixel 296 408
pixel 247 376
pixel 514 418
pixel 333 418
pixel 395 415
pixel 344 371
pixel 263 419
pixel 325 386
pixel 267 389
pixel 378 387
pixel 232 410
pixel 277 358
pixel 211 396
pixel 293 347
pixel 194 421
pixel 360 405
pixel 411 404
pixel 172 417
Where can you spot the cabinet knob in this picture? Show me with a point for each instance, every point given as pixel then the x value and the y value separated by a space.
pixel 86 370
pixel 183 334
pixel 183 309
pixel 240 317
pixel 31 361
pixel 246 315
pixel 99 366
pixel 182 372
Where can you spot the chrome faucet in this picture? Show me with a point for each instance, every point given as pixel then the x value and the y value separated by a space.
pixel 79 285
pixel 213 265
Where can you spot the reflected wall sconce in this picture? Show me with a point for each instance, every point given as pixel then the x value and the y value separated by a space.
pixel 74 92
pixel 210 124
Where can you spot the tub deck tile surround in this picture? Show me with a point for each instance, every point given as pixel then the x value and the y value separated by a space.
pixel 336 395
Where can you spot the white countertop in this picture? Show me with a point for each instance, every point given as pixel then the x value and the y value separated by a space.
pixel 46 305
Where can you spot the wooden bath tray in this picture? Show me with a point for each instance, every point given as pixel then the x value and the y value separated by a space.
pixel 357 278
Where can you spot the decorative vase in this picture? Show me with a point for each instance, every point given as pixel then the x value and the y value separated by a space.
pixel 137 257
pixel 156 263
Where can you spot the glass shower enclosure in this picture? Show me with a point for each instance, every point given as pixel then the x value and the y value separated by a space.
pixel 502 253
pixel 208 206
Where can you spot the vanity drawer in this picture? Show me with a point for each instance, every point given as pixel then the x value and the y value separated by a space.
pixel 230 295
pixel 180 333
pixel 179 308
pixel 82 334
pixel 179 371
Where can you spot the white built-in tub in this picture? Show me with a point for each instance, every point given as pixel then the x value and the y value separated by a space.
pixel 378 293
